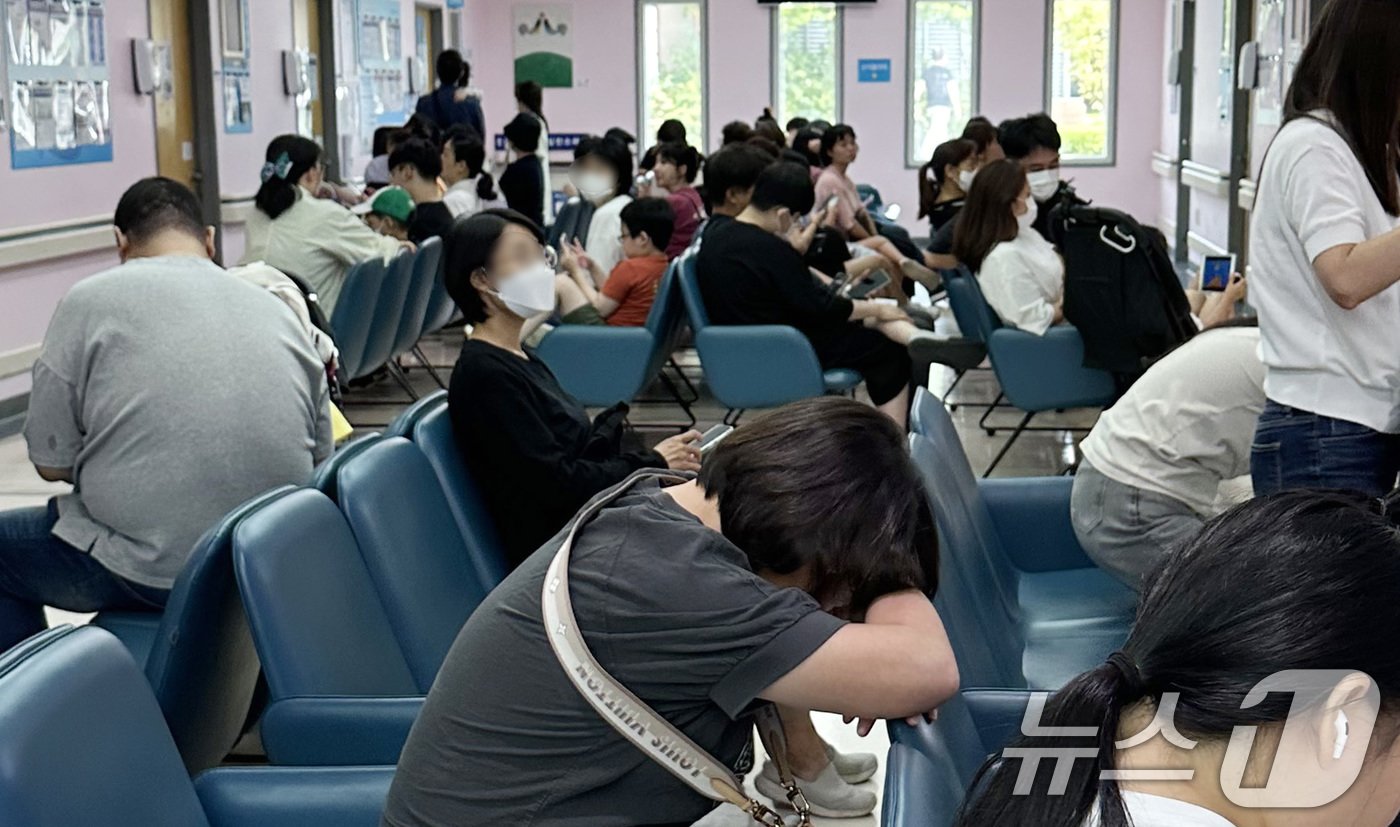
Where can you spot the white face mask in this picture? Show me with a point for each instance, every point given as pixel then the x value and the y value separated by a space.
pixel 1044 184
pixel 528 292
pixel 1026 220
pixel 594 186
pixel 965 177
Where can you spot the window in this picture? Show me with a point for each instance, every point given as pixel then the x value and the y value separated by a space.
pixel 807 61
pixel 1081 77
pixel 942 73
pixel 671 54
pixel 234 28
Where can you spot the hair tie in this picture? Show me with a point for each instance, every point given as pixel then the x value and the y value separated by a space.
pixel 1133 682
pixel 279 168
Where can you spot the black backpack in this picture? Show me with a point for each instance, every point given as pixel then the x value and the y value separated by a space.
pixel 1121 290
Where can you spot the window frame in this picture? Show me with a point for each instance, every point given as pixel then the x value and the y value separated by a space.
pixel 645 140
pixel 775 69
pixel 1110 158
pixel 910 20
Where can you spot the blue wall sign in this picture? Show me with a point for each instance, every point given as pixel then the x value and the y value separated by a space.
pixel 558 141
pixel 873 71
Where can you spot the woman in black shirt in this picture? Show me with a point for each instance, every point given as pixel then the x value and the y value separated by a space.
pixel 944 182
pixel 530 446
pixel 522 183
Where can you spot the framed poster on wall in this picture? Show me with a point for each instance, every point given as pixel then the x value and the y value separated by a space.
pixel 544 44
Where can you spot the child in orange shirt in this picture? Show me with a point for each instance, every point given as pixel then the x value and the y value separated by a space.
pixel 626 297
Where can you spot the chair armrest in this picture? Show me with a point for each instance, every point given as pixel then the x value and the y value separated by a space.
pixel 338 731
pixel 918 791
pixel 294 796
pixel 997 714
pixel 1031 515
pixel 759 366
pixel 1042 373
pixel 599 366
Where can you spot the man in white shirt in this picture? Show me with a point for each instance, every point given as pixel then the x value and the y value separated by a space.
pixel 1154 463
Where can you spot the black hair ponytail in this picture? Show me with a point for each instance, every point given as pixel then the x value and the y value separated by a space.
pixel 486 187
pixel 289 157
pixel 1301 580
pixel 468 149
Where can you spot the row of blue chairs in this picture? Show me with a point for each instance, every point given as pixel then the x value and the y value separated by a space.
pixel 746 366
pixel 385 308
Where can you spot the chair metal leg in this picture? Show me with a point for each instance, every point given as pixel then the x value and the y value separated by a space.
pixel 398 374
pixel 685 380
pixel 1015 435
pixel 432 371
pixel 957 377
pixel 982 423
pixel 732 417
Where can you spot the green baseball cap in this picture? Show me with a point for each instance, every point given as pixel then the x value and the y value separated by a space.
pixel 393 202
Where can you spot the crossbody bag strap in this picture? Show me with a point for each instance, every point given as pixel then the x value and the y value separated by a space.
pixel 628 714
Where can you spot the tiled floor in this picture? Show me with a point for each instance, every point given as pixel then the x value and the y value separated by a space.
pixel 1036 453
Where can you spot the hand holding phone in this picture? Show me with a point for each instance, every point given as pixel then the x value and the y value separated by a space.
pixel 713 437
pixel 1217 272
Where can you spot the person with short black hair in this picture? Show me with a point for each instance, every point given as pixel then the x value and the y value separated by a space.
pixel 470 188
pixel 796 570
pixel 529 98
pixel 523 181
pixel 735 132
pixel 794 126
pixel 532 446
pixel 628 291
pixel 415 166
pixel 314 239
pixel 451 103
pixel 751 272
pixel 167 392
pixel 622 136
pixel 730 176
pixel 602 173
pixel 671 131
pixel 677 166
pixel 1034 143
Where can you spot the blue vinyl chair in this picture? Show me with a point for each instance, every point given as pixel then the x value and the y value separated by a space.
pixel 422 277
pixel 601 366
pixel 197 654
pixel 353 314
pixel 433 436
pixel 82 744
pixel 326 475
pixel 1037 373
pixel 341 690
pixel 387 311
pixel 931 766
pixel 406 421
pixel 756 366
pixel 1023 604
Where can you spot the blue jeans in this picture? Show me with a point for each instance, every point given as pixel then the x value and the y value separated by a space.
pixel 1298 449
pixel 37 569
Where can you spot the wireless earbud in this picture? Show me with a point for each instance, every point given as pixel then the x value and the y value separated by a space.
pixel 1340 744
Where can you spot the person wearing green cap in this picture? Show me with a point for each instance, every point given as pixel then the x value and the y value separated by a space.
pixel 388 212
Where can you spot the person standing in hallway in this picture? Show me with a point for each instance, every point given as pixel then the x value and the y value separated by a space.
pixel 1325 251
pixel 168 391
pixel 529 99
pixel 450 104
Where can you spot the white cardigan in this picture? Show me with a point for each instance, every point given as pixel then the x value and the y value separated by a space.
pixel 1023 279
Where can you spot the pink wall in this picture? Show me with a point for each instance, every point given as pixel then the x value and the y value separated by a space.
pixel 240 154
pixel 1012 57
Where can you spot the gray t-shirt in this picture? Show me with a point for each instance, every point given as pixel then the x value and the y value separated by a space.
pixel 174 391
pixel 671 609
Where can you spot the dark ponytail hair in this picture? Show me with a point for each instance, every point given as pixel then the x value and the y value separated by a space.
pixel 468 149
pixel 289 157
pixel 931 175
pixel 530 94
pixel 1301 580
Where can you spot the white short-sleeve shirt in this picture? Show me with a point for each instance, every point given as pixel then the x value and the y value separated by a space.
pixel 1023 279
pixel 1320 357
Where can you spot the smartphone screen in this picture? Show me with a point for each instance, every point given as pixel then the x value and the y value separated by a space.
pixel 1216 272
pixel 869 284
pixel 713 437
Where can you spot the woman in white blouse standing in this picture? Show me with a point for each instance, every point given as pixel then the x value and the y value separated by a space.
pixel 1325 254
pixel 315 239
pixel 1021 274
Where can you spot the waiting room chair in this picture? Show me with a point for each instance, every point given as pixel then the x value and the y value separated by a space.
pixel 386 313
pixel 433 435
pixel 1023 605
pixel 422 278
pixel 756 366
pixel 931 766
pixel 354 313
pixel 406 421
pixel 82 744
pixel 197 654
pixel 601 365
pixel 1037 373
pixel 325 475
pixel 341 691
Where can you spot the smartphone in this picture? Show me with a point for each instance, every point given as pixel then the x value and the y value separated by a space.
pixel 1216 272
pixel 869 284
pixel 713 437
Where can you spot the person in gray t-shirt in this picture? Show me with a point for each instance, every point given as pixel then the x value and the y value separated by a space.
pixel 701 598
pixel 167 392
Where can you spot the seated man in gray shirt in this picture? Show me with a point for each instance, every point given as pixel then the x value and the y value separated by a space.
pixel 167 392
pixel 702 598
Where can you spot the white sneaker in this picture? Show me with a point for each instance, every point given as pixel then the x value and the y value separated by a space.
pixel 855 768
pixel 828 795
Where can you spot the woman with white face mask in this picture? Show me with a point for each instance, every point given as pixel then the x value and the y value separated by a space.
pixel 945 180
pixel 1022 274
pixel 531 448
pixel 602 174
